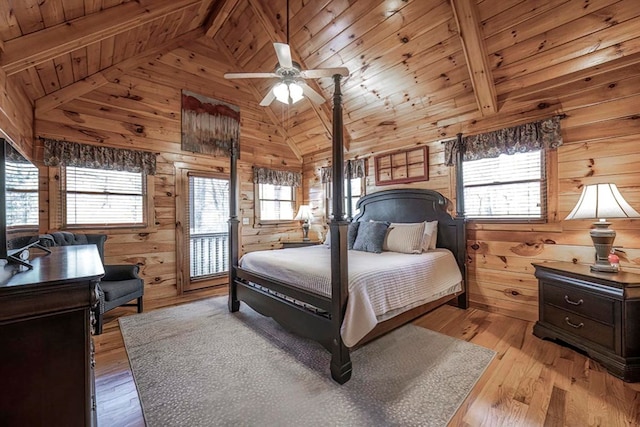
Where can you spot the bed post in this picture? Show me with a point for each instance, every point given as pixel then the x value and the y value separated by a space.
pixel 463 299
pixel 340 359
pixel 234 235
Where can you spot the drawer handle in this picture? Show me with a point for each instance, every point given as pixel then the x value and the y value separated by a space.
pixel 573 325
pixel 579 302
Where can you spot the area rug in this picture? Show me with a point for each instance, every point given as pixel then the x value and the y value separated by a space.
pixel 199 365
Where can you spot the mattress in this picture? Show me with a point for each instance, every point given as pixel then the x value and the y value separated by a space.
pixel 381 286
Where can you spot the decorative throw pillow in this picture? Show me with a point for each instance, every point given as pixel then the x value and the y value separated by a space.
pixel 405 238
pixel 371 236
pixel 430 236
pixel 352 233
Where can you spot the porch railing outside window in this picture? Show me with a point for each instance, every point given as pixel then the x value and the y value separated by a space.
pixel 209 254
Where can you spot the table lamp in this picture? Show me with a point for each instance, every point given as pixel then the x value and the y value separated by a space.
pixel 601 201
pixel 304 214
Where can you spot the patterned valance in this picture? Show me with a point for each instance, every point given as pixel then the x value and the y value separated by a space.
pixel 358 170
pixel 65 153
pixel 544 134
pixel 12 154
pixel 276 177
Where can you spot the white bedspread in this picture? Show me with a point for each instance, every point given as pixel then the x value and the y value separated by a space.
pixel 380 285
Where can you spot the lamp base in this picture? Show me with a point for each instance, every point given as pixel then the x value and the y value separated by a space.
pixel 305 231
pixel 603 237
pixel 605 268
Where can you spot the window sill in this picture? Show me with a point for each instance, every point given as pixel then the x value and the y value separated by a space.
pixel 275 223
pixel 112 229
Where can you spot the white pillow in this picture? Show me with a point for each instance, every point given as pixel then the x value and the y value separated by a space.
pixel 430 237
pixel 405 238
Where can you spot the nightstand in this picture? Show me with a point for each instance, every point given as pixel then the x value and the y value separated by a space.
pixel 299 244
pixel 598 313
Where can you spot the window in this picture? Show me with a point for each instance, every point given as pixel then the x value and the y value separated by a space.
pixel 357 191
pixel 208 227
pixel 506 187
pixel 276 202
pixel 103 198
pixel 21 194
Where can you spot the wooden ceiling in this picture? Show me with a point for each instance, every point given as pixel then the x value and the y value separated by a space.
pixel 421 70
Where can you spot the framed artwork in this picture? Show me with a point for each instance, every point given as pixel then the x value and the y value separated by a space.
pixel 402 167
pixel 209 126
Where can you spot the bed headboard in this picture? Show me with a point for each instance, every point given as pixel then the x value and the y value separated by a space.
pixel 417 205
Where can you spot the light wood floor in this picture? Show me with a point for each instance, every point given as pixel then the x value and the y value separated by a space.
pixel 530 382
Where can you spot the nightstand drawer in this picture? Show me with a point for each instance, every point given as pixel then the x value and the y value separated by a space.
pixel 580 302
pixel 580 326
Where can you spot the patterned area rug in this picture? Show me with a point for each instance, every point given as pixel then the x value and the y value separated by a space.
pixel 199 365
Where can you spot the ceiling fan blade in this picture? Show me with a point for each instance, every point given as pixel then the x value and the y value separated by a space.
pixel 268 99
pixel 283 52
pixel 249 75
pixel 310 93
pixel 324 72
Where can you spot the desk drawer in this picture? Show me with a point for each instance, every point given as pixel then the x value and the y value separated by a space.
pixel 579 302
pixel 580 326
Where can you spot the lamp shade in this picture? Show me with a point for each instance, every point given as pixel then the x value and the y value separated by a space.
pixel 304 213
pixel 600 201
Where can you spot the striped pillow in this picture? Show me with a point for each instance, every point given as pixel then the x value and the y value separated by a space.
pixel 430 238
pixel 404 238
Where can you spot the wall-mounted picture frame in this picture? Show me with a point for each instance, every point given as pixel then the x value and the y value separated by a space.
pixel 401 167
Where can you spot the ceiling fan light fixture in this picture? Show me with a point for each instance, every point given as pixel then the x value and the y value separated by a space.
pixel 281 91
pixel 288 93
pixel 295 91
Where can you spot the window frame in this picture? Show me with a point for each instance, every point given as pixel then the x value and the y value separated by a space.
pixel 24 227
pixel 328 196
pixel 549 194
pixel 57 204
pixel 295 193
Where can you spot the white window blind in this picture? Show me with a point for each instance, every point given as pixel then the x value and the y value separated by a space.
pixel 208 227
pixel 277 202
pixel 505 187
pixel 98 197
pixel 21 183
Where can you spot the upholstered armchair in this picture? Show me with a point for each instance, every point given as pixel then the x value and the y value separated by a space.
pixel 120 284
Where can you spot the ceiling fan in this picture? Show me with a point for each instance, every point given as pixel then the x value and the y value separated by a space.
pixel 291 88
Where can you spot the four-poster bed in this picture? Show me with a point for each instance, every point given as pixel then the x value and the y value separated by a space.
pixel 323 324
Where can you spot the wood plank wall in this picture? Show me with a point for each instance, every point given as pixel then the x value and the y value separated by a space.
pixel 601 144
pixel 141 110
pixel 16 114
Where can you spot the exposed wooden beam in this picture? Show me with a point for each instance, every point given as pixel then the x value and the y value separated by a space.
pixel 258 96
pixel 221 11
pixel 277 35
pixel 94 81
pixel 475 52
pixel 35 48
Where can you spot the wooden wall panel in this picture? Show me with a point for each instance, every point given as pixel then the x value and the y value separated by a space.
pixel 16 114
pixel 600 132
pixel 141 110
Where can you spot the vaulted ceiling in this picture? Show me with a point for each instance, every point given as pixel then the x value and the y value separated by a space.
pixel 420 70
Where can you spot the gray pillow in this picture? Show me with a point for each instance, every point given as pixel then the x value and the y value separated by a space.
pixel 352 233
pixel 371 236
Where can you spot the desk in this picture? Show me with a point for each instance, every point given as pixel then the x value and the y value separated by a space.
pixel 46 356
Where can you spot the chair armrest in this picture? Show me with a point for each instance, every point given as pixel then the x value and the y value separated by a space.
pixel 121 272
